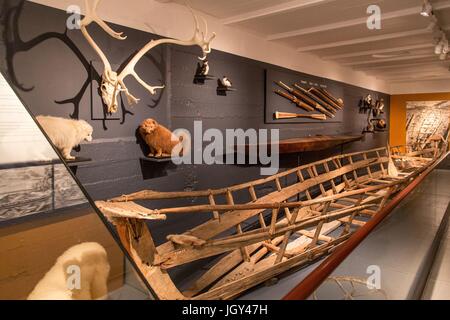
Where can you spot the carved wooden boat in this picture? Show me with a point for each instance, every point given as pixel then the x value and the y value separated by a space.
pixel 316 143
pixel 254 234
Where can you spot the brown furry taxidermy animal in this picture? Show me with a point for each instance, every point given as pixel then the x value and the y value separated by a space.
pixel 160 140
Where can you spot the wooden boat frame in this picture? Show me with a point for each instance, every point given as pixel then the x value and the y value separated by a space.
pixel 312 209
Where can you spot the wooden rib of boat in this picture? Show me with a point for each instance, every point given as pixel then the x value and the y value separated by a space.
pixel 260 229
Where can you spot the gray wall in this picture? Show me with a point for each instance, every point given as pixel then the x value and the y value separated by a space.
pixel 48 64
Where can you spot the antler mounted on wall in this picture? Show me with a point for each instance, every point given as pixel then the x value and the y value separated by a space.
pixel 112 82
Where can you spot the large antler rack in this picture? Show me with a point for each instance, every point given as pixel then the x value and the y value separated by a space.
pixel 112 82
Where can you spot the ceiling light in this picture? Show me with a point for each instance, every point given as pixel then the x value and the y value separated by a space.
pixel 427 9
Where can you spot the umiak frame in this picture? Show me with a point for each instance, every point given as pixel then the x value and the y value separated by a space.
pixel 337 196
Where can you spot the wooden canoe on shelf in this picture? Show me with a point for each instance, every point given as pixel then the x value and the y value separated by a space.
pixel 315 143
pixel 260 229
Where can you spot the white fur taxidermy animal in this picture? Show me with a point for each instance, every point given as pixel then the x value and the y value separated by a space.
pixel 66 133
pixel 61 283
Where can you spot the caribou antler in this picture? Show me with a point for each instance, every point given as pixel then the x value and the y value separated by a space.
pixel 113 83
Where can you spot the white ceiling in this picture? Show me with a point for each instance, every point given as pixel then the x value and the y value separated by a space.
pixel 401 51
pixel 428 104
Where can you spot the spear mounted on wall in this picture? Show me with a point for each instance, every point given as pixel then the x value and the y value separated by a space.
pixel 312 104
pixel 295 100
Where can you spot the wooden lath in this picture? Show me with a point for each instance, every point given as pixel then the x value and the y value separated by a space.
pixel 327 196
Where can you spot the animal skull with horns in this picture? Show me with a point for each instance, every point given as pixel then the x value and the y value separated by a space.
pixel 113 82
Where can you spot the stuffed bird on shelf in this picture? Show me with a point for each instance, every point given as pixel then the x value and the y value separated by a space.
pixel 226 82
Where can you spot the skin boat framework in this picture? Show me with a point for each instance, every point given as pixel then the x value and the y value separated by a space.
pixel 251 235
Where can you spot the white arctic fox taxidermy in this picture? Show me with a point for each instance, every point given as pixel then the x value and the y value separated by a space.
pixel 66 133
pixel 92 261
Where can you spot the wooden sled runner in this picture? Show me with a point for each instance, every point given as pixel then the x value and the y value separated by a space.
pixel 260 229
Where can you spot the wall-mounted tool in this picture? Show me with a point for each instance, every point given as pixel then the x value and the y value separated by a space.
pixel 318 103
pixel 375 125
pixel 287 115
pixel 338 101
pixel 366 103
pixel 295 100
pixel 378 108
pixel 302 100
pixel 331 101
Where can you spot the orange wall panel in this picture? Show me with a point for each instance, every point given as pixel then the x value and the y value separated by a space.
pixel 397 131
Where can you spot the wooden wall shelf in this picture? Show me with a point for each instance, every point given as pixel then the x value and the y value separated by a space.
pixel 77 161
pixel 156 160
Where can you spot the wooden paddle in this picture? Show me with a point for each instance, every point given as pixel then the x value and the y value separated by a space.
pixel 287 115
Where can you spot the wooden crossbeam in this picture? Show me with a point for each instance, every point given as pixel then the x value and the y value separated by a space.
pixel 244 250
pixel 355 175
pixel 273 221
pixel 212 202
pixel 380 181
pixel 277 250
pixel 310 235
pixel 352 217
pixel 369 171
pixel 327 170
pixel 312 171
pixel 366 212
pixel 278 184
pixel 302 179
pixel 254 198
pixel 344 176
pixel 286 237
pixel 215 247
pixel 353 221
pixel 319 227
pixel 381 163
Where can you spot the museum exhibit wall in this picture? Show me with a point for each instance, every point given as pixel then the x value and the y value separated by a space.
pixel 397 132
pixel 51 70
pixel 175 21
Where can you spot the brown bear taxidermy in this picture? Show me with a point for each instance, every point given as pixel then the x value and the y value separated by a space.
pixel 161 140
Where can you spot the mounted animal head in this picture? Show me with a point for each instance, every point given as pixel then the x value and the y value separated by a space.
pixel 112 81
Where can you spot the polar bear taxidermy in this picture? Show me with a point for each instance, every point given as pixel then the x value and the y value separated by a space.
pixel 91 260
